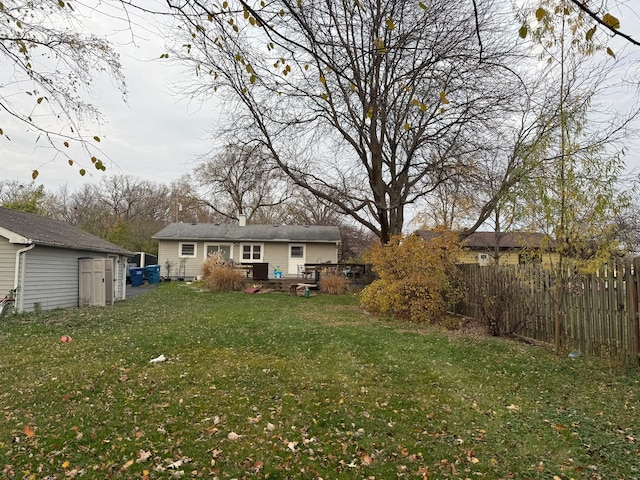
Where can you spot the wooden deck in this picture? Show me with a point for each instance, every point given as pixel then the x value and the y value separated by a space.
pixel 358 276
pixel 280 284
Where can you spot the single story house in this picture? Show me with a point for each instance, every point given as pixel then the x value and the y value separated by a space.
pixel 183 248
pixel 51 264
pixel 511 248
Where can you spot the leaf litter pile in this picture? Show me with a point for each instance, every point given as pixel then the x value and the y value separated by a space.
pixel 273 386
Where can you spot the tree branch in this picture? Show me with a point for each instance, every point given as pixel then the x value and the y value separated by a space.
pixel 475 14
pixel 582 6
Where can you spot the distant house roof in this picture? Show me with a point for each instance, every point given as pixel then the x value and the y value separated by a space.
pixel 249 233
pixel 27 228
pixel 504 240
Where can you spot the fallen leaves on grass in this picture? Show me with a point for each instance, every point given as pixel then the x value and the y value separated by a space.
pixel 143 456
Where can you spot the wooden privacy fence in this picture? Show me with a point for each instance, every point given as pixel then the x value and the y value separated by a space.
pixel 600 310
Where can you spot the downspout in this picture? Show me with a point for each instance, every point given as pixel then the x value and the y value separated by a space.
pixel 16 277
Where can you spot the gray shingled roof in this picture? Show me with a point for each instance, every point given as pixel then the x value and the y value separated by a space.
pixel 487 240
pixel 249 233
pixel 53 233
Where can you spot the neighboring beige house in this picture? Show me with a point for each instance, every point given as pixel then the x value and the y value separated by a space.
pixel 513 248
pixel 184 247
pixel 51 264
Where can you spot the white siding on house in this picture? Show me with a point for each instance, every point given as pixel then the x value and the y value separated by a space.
pixel 322 253
pixel 7 265
pixel 169 253
pixel 50 277
pixel 275 254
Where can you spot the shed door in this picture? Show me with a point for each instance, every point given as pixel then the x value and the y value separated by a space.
pixel 109 281
pixel 91 288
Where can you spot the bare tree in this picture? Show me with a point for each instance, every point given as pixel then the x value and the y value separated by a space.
pixel 359 103
pixel 123 209
pixel 186 204
pixel 241 179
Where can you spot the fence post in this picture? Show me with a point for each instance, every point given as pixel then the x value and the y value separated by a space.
pixel 633 286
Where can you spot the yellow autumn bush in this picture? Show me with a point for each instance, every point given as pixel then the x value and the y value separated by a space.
pixel 416 278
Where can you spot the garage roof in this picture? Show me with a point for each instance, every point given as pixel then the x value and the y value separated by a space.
pixel 28 228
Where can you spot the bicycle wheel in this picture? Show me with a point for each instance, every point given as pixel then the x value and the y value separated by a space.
pixel 6 307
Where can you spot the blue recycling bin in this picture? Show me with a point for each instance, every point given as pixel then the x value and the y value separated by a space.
pixel 136 275
pixel 153 273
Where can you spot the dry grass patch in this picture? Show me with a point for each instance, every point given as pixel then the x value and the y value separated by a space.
pixel 222 276
pixel 333 285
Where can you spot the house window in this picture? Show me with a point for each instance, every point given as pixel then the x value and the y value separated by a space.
pixel 222 250
pixel 483 259
pixel 297 251
pixel 252 252
pixel 529 257
pixel 187 249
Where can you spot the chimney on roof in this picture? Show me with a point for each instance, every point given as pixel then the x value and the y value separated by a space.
pixel 242 220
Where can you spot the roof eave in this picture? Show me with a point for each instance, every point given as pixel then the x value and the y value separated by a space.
pixel 14 237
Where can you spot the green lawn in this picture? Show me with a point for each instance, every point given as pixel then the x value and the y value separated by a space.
pixel 273 386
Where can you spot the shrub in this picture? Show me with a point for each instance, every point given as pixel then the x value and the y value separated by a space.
pixel 416 278
pixel 497 291
pixel 221 276
pixel 333 284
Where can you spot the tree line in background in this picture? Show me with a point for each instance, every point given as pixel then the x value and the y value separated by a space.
pixel 128 211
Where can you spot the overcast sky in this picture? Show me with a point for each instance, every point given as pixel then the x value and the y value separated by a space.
pixel 156 134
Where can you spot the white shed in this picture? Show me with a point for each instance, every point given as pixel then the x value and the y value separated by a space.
pixel 41 260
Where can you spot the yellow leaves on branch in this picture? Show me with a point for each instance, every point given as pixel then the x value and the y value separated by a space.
pixel 524 30
pixel 444 100
pixel 608 19
pixel 611 21
pixel 380 46
pixel 541 13
pixel 422 105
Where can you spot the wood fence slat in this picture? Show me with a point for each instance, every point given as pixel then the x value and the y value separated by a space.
pixel 634 309
pixel 601 310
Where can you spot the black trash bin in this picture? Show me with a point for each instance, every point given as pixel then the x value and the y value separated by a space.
pixel 261 271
